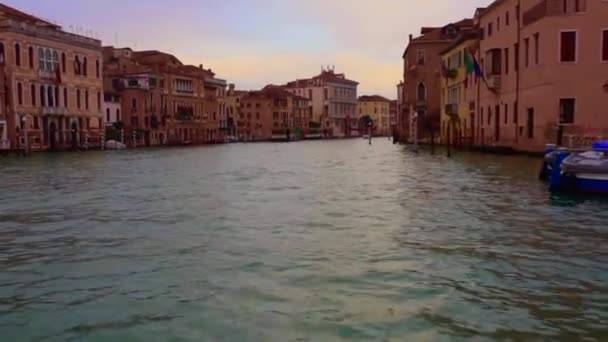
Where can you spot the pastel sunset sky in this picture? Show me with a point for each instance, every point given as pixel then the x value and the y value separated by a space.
pixel 256 42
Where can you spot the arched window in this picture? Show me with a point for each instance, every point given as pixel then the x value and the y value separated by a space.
pixel 97 71
pixel 17 54
pixel 99 100
pixel 1 53
pixel 49 91
pixel 30 56
pixel 78 98
pixel 40 59
pixel 421 93
pixel 65 97
pixel 55 61
pixel 48 60
pixel 63 62
pixel 84 66
pixel 77 65
pixel 56 96
pixel 42 96
pixel 86 99
pixel 19 93
pixel 33 94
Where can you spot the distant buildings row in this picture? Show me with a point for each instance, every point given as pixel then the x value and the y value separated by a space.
pixel 60 90
pixel 518 75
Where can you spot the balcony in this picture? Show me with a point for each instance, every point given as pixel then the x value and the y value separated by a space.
pixel 184 117
pixel 47 75
pixel 494 82
pixel 451 109
pixel 54 111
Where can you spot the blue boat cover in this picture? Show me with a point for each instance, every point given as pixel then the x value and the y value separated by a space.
pixel 600 146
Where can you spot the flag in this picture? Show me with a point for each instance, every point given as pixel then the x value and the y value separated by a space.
pixel 468 61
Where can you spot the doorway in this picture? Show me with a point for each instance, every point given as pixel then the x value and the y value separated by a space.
pixel 74 133
pixel 52 136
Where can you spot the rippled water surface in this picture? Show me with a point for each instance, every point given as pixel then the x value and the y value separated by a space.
pixel 310 241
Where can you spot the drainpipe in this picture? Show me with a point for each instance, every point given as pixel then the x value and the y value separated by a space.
pixel 517 71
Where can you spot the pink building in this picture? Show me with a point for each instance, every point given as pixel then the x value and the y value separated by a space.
pixel 546 69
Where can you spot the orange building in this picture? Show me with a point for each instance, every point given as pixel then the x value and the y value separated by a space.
pixel 164 101
pixel 272 113
pixel 52 92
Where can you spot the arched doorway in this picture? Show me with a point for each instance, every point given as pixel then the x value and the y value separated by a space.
pixel 74 135
pixel 52 136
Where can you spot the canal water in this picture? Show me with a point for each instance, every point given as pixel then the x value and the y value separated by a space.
pixel 309 241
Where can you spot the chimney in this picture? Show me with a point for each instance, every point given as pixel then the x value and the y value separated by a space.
pixel 411 37
pixel 231 86
pixel 200 66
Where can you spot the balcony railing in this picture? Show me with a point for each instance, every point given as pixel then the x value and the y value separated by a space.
pixel 451 109
pixel 494 82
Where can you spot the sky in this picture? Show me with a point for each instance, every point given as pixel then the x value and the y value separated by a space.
pixel 253 43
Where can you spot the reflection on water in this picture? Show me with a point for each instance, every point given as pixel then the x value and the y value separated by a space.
pixel 313 241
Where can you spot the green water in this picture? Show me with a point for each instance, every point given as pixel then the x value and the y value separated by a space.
pixel 310 241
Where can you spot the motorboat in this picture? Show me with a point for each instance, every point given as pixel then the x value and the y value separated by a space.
pixel 577 171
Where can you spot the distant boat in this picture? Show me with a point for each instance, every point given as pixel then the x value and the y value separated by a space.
pixel 577 171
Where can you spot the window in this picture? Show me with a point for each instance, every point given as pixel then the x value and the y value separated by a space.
pixel 77 65
pixel 19 94
pixel 530 123
pixel 566 111
pixel 515 113
pixel 516 56
pixel 42 96
pixel 117 114
pixel 310 93
pixel 421 93
pixel 36 123
pixel 48 60
pixel 55 61
pixel 108 114
pixel 1 53
pixel 134 103
pixel 30 56
pixel 78 98
pixel 97 71
pixel 63 62
pixel 507 18
pixel 49 93
pixel 605 45
pixel 489 115
pixel 65 97
pixel 506 113
pixel 568 46
pixel 85 68
pixel 86 99
pixel 257 116
pixel 537 48
pixel 33 94
pixel 527 52
pixel 497 24
pixel 17 54
pixel 421 57
pixel 490 30
pixel 506 61
pixel 482 34
pixel 56 96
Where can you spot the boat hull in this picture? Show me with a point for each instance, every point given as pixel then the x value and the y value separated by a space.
pixel 578 184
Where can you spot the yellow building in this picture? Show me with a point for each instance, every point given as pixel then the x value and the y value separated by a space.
pixel 378 109
pixel 454 100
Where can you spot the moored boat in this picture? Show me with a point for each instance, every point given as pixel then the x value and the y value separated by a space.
pixel 583 172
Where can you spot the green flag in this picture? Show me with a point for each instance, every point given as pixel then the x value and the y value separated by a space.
pixel 469 63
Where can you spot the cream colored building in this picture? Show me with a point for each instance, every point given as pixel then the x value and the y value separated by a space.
pixel 378 109
pixel 54 85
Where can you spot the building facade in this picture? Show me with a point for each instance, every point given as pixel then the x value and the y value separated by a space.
pixel 164 101
pixel 456 104
pixel 333 100
pixel 422 79
pixel 52 94
pixel 546 79
pixel 378 109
